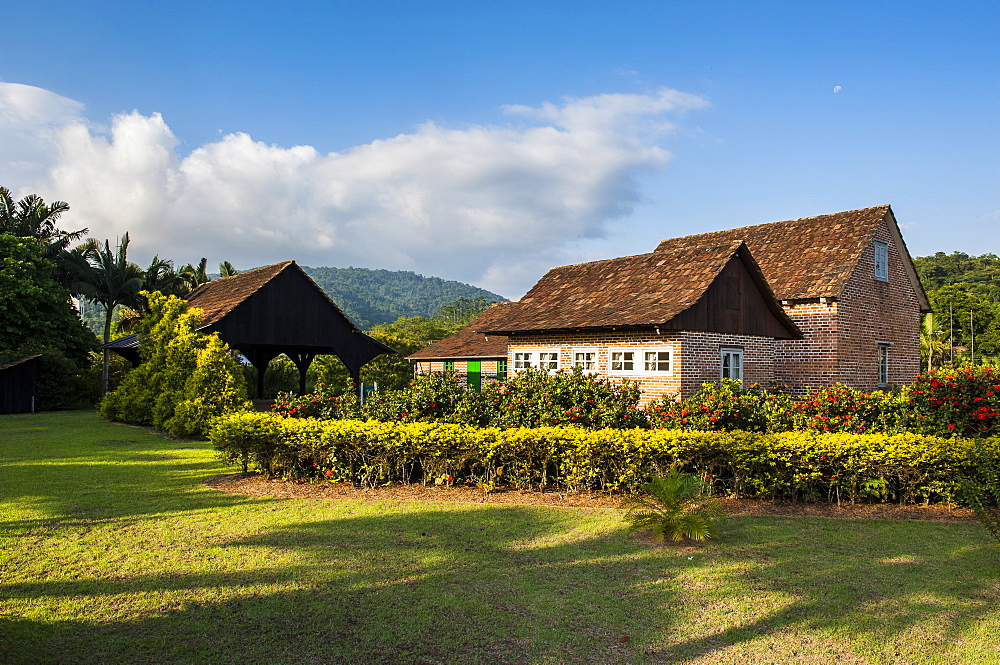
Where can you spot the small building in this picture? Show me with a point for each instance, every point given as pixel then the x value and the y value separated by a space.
pixel 17 385
pixel 474 357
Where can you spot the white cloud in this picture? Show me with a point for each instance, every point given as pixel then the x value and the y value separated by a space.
pixel 485 204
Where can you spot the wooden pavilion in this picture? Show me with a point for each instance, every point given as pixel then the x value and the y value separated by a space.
pixel 277 309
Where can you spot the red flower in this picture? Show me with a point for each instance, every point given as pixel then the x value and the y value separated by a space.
pixel 950 426
pixel 329 472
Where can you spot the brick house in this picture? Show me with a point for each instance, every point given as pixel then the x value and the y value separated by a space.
pixel 801 303
pixel 849 284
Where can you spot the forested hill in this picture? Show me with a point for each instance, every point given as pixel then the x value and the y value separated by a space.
pixel 965 295
pixel 959 268
pixel 370 297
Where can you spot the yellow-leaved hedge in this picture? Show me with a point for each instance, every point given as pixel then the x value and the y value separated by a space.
pixel 802 465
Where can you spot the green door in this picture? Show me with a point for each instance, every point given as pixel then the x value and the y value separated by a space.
pixel 474 370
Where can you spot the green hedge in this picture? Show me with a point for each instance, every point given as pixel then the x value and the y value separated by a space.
pixel 816 466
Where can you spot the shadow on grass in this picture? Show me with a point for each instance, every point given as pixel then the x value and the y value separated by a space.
pixel 523 585
pixel 899 589
pixel 491 585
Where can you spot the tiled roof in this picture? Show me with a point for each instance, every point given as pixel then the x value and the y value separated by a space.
pixel 127 342
pixel 644 290
pixel 466 343
pixel 221 296
pixel 811 257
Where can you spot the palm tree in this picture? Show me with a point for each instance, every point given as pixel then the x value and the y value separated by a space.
pixel 676 506
pixel 193 276
pixel 32 218
pixel 226 269
pixel 112 279
pixel 933 343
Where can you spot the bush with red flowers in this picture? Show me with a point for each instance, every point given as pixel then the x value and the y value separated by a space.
pixel 961 401
pixel 838 408
pixel 724 406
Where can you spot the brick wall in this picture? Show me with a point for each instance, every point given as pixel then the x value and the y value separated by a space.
pixel 842 337
pixel 873 311
pixel 809 362
pixel 695 356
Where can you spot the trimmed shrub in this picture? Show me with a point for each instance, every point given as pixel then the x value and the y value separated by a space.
pixel 815 466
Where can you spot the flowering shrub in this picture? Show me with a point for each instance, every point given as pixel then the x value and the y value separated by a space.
pixel 432 398
pixel 322 404
pixel 962 401
pixel 724 406
pixel 532 398
pixel 838 408
pixel 535 398
pixel 954 402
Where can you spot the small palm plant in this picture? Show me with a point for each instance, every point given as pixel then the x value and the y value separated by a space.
pixel 676 506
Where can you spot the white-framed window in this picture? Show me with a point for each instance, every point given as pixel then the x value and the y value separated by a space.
pixel 621 360
pixel 640 361
pixel 883 364
pixel 656 360
pixel 731 366
pixel 547 359
pixel 586 359
pixel 881 261
pixel 523 360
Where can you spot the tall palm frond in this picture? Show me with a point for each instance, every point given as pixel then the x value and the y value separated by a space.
pixel 933 343
pixel 31 217
pixel 226 269
pixel 112 280
pixel 193 276
pixel 161 276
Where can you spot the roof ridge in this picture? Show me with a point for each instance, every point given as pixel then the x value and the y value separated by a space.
pixel 718 245
pixel 885 206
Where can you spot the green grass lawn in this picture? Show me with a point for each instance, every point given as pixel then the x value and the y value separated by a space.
pixel 112 552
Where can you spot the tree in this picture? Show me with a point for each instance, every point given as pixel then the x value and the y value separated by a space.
pixel 933 342
pixel 32 218
pixel 112 280
pixel 193 276
pixel 463 310
pixel 186 378
pixel 970 316
pixel 226 269
pixel 37 317
pixel 418 329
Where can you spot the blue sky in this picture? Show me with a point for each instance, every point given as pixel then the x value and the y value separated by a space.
pixel 486 142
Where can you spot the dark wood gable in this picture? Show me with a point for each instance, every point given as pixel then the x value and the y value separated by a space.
pixel 279 309
pixel 738 301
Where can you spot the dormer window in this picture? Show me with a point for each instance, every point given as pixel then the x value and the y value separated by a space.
pixel 881 261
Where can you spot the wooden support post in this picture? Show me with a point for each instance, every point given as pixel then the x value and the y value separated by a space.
pixel 302 362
